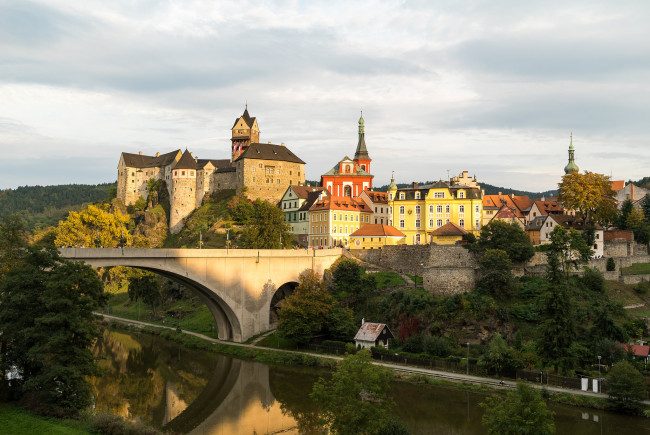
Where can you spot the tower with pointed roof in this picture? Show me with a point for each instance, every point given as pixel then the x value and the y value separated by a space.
pixel 571 167
pixel 244 132
pixel 361 156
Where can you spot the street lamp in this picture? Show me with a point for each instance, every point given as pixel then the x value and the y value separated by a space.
pixel 467 358
pixel 599 357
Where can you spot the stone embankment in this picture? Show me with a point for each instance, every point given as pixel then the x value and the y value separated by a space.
pixel 452 269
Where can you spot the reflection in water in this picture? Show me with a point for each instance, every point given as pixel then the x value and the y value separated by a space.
pixel 188 391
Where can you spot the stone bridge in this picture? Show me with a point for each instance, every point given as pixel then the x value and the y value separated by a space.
pixel 237 285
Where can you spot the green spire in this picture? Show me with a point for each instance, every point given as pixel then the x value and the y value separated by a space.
pixel 392 186
pixel 361 122
pixel 571 167
pixel 362 151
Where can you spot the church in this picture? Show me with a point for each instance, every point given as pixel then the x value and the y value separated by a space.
pixel 265 169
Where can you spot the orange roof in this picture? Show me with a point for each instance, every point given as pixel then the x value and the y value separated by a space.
pixel 303 191
pixel 377 196
pixel 377 230
pixel 516 203
pixel 449 229
pixel 505 213
pixel 637 349
pixel 618 184
pixel 344 203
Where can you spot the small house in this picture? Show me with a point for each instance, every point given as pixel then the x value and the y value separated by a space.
pixel 639 351
pixel 372 334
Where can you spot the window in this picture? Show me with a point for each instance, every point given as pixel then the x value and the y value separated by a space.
pixel 278 172
pixel 461 209
pixel 390 210
pixel 477 224
pixel 417 195
pixel 345 218
pixel 417 210
pixel 390 196
pixel 260 165
pixel 253 179
pixel 430 223
pixel 401 209
pixel 254 171
pixel 477 210
pixel 346 229
pixel 334 229
pixel 447 208
pixel 417 223
pixel 439 209
pixel 357 218
pixel 430 209
pixel 401 223
pixel 417 239
pixel 334 216
pixel 438 194
pixel 182 172
pixel 461 223
pixel 401 195
pixel 439 223
pixel 340 228
pixel 461 194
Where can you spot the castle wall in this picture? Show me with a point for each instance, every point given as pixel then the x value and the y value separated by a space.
pixel 269 179
pixel 224 180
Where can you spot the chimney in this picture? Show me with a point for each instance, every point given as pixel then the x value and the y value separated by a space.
pixel 140 152
pixel 282 143
pixel 482 192
pixel 512 195
pixel 363 320
pixel 269 142
pixel 415 185
pixel 499 193
pixel 157 154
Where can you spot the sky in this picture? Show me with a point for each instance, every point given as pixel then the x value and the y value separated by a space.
pixel 492 87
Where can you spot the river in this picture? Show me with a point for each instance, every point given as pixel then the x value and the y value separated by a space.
pixel 145 378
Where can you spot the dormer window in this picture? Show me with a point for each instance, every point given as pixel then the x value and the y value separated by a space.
pixel 401 195
pixel 461 194
pixel 417 195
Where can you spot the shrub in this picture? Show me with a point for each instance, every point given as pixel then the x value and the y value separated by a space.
pixel 641 288
pixel 593 280
pixel 611 264
pixel 436 346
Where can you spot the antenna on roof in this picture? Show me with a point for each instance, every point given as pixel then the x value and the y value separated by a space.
pixel 246 104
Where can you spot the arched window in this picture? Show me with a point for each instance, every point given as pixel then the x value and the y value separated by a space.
pixel 461 194
pixel 447 208
pixel 401 195
pixel 347 169
pixel 347 191
pixel 401 209
pixel 417 209
pixel 461 209
pixel 439 209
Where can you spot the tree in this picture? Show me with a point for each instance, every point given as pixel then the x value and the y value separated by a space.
pixel 350 281
pixel 557 330
pixel 496 275
pixel 356 400
pixel 240 208
pixel 12 242
pixel 47 323
pixel 568 250
pixel 510 238
pixel 267 229
pixel 304 313
pixel 146 288
pixel 590 194
pixel 94 226
pixel 497 354
pixel 645 207
pixel 625 387
pixel 340 323
pixel 522 412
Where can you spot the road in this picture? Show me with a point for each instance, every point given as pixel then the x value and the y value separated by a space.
pixel 399 368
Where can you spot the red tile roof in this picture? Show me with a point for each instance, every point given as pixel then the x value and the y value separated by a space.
pixel 340 203
pixel 449 229
pixel 377 196
pixel 546 207
pixel 618 184
pixel 637 349
pixel 517 203
pixel 377 230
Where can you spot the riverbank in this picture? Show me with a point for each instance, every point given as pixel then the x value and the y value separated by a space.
pixel 402 372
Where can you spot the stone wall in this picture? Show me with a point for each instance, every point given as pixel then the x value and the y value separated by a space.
pixel 448 280
pixel 261 183
pixel 224 180
pixel 409 259
pixel 182 201
pixel 367 255
pixel 617 248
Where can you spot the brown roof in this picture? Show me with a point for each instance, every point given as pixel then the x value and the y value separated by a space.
pixel 377 196
pixel 505 213
pixel 517 203
pixel 312 197
pixel 371 331
pixel 267 151
pixel 224 163
pixel 142 161
pixel 186 161
pixel 449 229
pixel 340 203
pixel 546 207
pixel 303 191
pixel 247 119
pixel 377 230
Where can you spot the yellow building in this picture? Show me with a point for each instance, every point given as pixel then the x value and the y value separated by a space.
pixel 333 218
pixel 376 236
pixel 417 211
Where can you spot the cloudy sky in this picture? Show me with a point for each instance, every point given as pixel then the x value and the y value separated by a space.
pixel 492 87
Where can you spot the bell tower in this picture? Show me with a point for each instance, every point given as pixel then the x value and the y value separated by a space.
pixel 244 132
pixel 361 156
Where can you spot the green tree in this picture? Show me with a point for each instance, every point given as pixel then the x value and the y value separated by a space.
pixel 267 229
pixel 47 323
pixel 240 208
pixel 510 238
pixel 356 400
pixel 349 281
pixel 93 226
pixel 590 194
pixel 625 387
pixel 645 207
pixel 497 354
pixel 146 288
pixel 568 250
pixel 496 272
pixel 304 313
pixel 521 412
pixel 557 331
pixel 340 323
pixel 12 242
pixel 626 209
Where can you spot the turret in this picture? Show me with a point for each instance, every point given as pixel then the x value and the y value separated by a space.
pixel 361 156
pixel 183 193
pixel 571 167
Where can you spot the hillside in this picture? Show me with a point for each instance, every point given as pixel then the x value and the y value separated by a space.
pixel 42 206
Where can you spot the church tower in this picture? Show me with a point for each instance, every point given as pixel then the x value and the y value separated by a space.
pixel 244 132
pixel 361 156
pixel 571 167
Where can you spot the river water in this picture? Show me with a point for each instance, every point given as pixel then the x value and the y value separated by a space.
pixel 187 391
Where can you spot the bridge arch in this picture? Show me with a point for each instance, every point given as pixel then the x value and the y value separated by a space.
pixel 237 285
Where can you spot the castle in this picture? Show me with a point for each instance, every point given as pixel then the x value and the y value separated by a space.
pixel 265 170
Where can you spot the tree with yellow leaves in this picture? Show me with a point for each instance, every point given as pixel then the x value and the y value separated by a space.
pixel 590 194
pixel 94 226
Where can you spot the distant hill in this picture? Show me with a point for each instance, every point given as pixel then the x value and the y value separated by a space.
pixel 488 188
pixel 42 206
pixel 644 182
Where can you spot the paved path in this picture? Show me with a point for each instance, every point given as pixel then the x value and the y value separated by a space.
pixel 438 374
pixel 629 307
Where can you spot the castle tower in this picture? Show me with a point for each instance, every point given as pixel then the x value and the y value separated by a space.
pixel 244 132
pixel 571 167
pixel 361 156
pixel 183 192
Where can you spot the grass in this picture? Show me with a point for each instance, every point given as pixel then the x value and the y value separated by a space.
pixel 191 315
pixel 623 293
pixel 637 269
pixel 15 420
pixel 416 279
pixel 388 279
pixel 274 341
